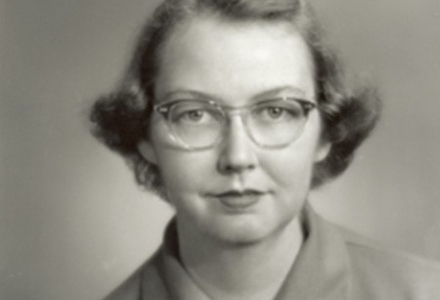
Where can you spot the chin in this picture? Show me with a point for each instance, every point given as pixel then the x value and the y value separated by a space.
pixel 246 231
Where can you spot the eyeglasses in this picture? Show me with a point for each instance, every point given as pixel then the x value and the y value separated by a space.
pixel 201 124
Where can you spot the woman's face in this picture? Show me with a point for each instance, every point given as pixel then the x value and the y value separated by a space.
pixel 236 192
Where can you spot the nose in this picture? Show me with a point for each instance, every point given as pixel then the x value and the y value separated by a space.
pixel 237 153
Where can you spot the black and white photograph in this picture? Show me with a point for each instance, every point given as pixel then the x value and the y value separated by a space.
pixel 220 150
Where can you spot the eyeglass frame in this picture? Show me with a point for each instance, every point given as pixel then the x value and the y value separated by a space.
pixel 163 109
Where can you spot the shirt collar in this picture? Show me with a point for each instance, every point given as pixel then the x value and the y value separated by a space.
pixel 178 282
pixel 320 271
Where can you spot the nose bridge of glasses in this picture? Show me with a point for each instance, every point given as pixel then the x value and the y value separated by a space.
pixel 238 124
pixel 237 114
pixel 236 118
pixel 235 111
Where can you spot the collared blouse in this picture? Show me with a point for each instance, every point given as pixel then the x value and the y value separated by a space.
pixel 333 264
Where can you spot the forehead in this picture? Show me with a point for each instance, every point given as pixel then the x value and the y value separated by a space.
pixel 235 59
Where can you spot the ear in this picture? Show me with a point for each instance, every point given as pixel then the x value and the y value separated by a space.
pixel 322 151
pixel 147 151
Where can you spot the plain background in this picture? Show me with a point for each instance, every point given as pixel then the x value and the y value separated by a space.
pixel 72 221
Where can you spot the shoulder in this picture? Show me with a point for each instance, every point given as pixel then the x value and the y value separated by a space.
pixel 144 283
pixel 128 290
pixel 387 274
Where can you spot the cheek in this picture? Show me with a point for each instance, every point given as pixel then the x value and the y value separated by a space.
pixel 183 172
pixel 179 169
pixel 292 168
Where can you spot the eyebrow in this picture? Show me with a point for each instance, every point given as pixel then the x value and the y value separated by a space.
pixel 277 90
pixel 190 93
pixel 264 94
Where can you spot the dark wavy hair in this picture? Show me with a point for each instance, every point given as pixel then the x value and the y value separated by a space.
pixel 120 119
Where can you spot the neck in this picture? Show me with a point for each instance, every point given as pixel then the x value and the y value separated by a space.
pixel 253 271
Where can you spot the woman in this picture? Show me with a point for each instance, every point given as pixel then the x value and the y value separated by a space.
pixel 232 111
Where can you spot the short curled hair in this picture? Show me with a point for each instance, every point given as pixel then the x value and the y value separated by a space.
pixel 121 118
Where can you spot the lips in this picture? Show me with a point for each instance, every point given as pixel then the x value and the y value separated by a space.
pixel 238 200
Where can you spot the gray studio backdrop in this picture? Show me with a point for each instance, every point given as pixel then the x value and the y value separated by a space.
pixel 72 221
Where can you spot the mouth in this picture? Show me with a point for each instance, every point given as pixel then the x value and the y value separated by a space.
pixel 238 200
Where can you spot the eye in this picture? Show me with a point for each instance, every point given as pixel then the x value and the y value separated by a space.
pixel 274 112
pixel 194 116
pixel 277 111
pixel 192 113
